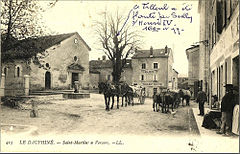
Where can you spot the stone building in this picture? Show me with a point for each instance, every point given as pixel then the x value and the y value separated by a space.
pixel 65 60
pixel 182 82
pixel 104 67
pixel 153 69
pixel 174 80
pixel 220 29
pixel 194 80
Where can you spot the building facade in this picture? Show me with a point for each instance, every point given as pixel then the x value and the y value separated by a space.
pixel 221 30
pixel 153 70
pixel 104 67
pixel 194 80
pixel 174 80
pixel 65 60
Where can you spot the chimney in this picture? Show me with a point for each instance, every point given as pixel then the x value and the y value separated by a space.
pixel 151 51
pixel 103 57
pixel 98 59
pixel 166 49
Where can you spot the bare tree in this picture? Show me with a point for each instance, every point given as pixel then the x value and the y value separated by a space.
pixel 118 39
pixel 20 19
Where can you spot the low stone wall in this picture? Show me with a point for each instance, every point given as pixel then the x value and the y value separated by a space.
pixel 76 95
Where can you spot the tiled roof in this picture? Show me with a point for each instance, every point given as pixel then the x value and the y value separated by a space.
pixel 98 64
pixel 30 46
pixel 146 53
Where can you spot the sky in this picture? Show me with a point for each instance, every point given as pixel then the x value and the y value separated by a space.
pixel 79 16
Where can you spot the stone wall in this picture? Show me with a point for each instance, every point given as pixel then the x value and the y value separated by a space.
pixel 14 77
pixel 94 79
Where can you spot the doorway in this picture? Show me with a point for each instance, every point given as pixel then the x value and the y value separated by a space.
pixel 47 80
pixel 75 77
pixel 235 71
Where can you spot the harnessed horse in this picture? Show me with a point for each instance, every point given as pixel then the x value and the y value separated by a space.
pixel 164 100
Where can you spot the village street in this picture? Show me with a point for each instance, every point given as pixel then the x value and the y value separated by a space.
pixel 67 116
pixel 138 128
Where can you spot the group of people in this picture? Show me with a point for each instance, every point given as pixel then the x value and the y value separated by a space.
pixel 228 102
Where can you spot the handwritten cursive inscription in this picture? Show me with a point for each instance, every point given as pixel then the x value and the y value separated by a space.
pixel 155 18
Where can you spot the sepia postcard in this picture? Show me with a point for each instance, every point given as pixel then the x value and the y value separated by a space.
pixel 133 76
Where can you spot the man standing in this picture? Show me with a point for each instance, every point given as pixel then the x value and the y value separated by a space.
pixel 227 106
pixel 201 99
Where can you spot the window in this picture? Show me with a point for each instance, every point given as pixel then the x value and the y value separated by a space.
pixel 47 64
pixel 5 71
pixel 75 40
pixel 213 36
pixel 18 71
pixel 155 65
pixel 215 29
pixel 226 71
pixel 75 58
pixel 142 78
pixel 143 65
pixel 109 77
pixel 154 77
pixel 209 37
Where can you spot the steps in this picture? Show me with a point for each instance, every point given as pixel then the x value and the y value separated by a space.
pixel 50 92
pixel 67 94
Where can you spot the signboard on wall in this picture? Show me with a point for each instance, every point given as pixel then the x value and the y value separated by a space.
pixel 152 83
pixel 148 71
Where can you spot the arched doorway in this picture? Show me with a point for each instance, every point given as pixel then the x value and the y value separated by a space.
pixel 47 80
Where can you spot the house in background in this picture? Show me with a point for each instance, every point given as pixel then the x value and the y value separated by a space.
pixel 64 60
pixel 104 67
pixel 153 69
pixel 174 80
pixel 194 81
pixel 182 82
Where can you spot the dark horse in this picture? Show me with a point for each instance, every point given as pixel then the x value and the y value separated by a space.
pixel 104 89
pixel 185 95
pixel 164 100
pixel 110 90
pixel 127 93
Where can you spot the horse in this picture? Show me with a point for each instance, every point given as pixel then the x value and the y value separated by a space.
pixel 157 102
pixel 176 98
pixel 115 91
pixel 106 91
pixel 126 93
pixel 168 99
pixel 109 90
pixel 185 95
pixel 164 99
pixel 181 93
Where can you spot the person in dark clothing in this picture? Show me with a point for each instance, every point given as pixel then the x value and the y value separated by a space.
pixel 227 105
pixel 201 99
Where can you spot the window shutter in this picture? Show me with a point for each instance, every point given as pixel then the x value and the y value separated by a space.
pixel 220 10
pixel 228 8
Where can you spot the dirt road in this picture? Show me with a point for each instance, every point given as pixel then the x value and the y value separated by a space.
pixel 88 116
